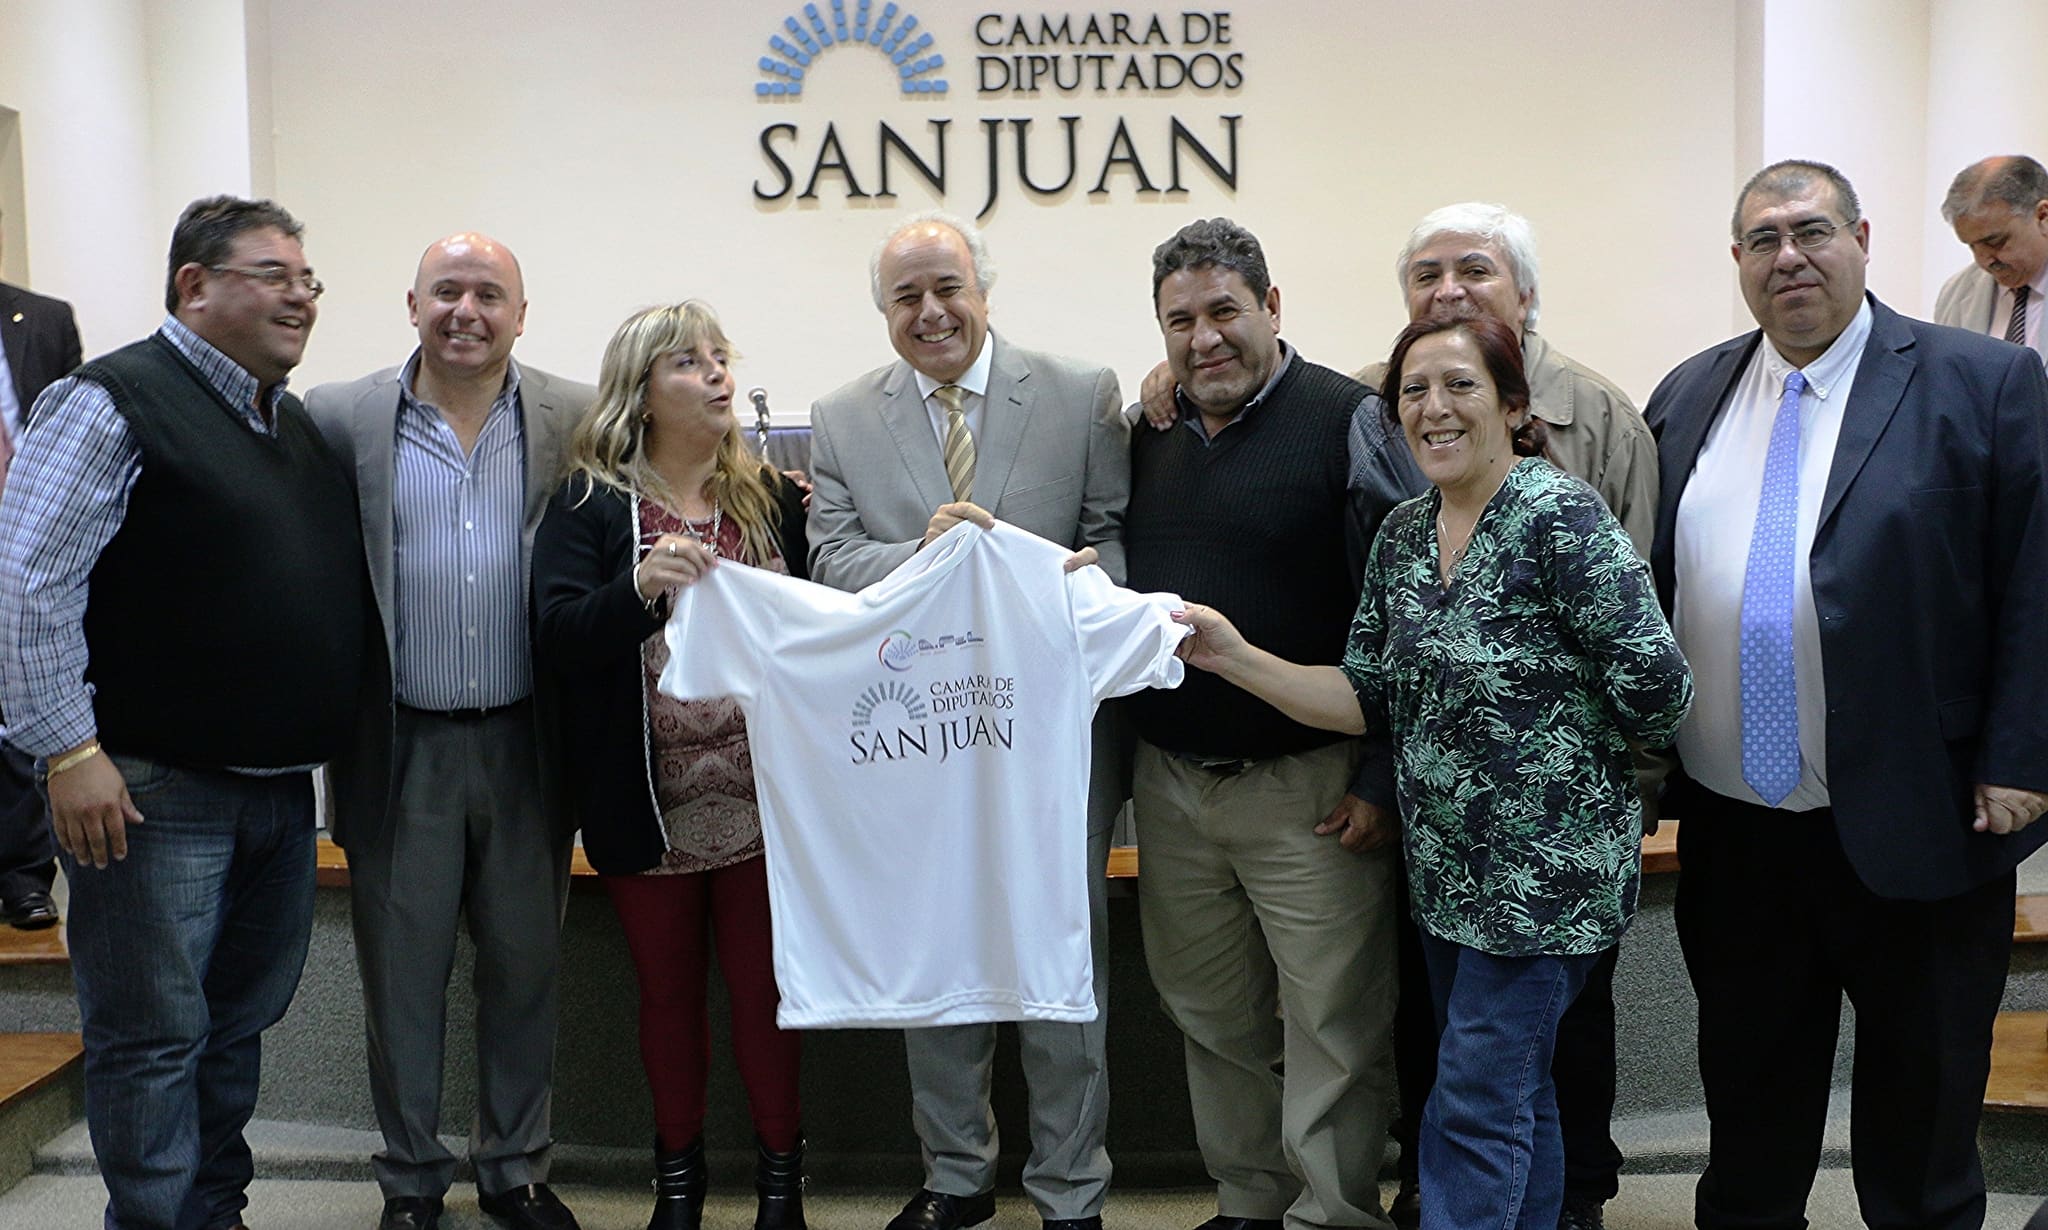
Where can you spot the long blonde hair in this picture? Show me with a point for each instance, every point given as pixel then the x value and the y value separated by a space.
pixel 608 447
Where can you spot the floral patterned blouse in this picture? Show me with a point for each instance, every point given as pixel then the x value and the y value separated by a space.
pixel 1510 693
pixel 703 766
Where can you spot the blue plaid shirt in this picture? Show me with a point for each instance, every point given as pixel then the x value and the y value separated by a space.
pixel 66 496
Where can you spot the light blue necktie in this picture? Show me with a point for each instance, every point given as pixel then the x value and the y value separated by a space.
pixel 1770 692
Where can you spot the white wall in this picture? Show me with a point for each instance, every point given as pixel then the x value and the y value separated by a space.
pixel 615 149
pixel 198 102
pixel 1845 82
pixel 77 71
pixel 1986 96
pixel 616 153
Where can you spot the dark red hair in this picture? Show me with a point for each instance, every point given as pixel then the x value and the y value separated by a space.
pixel 1499 348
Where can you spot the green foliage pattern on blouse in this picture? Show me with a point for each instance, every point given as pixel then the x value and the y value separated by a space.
pixel 1511 695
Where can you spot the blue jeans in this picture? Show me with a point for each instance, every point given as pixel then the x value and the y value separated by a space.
pixel 1491 1152
pixel 183 953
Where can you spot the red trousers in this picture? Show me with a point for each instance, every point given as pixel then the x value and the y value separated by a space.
pixel 670 923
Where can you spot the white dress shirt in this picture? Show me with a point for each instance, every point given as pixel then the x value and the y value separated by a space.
pixel 1716 517
pixel 11 416
pixel 2001 313
pixel 974 380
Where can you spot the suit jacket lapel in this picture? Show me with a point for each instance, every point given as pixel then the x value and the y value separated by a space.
pixel 539 424
pixel 376 427
pixel 1685 434
pixel 14 334
pixel 903 414
pixel 1005 412
pixel 1881 380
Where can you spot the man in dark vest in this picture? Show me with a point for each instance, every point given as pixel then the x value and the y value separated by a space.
pixel 1268 894
pixel 182 611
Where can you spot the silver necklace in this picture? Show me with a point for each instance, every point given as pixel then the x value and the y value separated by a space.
pixel 708 535
pixel 1452 555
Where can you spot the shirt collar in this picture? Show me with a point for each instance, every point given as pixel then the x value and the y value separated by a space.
pixel 1835 365
pixel 1190 415
pixel 974 379
pixel 229 378
pixel 411 370
pixel 2040 284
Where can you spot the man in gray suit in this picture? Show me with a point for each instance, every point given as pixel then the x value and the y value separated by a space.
pixel 1999 208
pixel 965 426
pixel 449 806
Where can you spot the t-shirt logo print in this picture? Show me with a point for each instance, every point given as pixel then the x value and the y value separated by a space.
pixel 897 650
pixel 901 695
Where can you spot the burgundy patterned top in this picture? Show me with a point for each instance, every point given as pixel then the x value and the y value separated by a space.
pixel 703 768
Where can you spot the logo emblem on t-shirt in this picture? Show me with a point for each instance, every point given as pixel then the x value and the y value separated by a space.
pixel 890 719
pixel 900 650
pixel 890 693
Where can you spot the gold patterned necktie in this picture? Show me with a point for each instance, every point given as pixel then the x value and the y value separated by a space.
pixel 959 449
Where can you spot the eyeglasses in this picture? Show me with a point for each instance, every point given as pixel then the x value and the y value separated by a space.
pixel 276 277
pixel 1766 242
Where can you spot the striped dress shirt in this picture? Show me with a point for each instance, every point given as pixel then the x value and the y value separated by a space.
pixel 66 496
pixel 459 599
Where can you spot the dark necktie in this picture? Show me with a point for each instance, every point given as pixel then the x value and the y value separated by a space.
pixel 2016 328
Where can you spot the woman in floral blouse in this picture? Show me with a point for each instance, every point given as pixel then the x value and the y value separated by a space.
pixel 1510 638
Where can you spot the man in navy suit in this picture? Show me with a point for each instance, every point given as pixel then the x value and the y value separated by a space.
pixel 38 343
pixel 1853 544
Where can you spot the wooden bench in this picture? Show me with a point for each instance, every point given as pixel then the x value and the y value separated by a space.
pixel 2019 1064
pixel 1660 854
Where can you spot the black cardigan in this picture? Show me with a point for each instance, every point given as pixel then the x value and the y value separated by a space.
pixel 590 624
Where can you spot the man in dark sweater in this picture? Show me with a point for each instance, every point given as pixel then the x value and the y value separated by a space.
pixel 182 633
pixel 1268 894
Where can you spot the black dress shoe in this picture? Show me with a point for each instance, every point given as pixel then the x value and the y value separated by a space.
pixel 1220 1222
pixel 32 911
pixel 411 1213
pixel 1073 1223
pixel 533 1207
pixel 1581 1215
pixel 930 1210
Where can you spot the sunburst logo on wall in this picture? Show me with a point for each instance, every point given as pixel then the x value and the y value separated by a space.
pixel 892 32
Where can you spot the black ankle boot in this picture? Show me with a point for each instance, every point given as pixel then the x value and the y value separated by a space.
pixel 678 1188
pixel 779 1178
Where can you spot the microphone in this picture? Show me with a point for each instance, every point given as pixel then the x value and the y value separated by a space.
pixel 759 396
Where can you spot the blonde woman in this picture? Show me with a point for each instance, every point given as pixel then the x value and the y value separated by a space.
pixel 662 486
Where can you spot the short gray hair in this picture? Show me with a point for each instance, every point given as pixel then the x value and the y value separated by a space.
pixel 977 249
pixel 1497 225
pixel 2014 180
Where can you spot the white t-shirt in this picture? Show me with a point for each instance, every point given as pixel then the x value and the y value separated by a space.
pixel 921 760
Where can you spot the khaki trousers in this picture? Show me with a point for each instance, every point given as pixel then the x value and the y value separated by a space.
pixel 1273 951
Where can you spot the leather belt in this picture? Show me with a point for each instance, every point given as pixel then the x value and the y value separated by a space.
pixel 1220 766
pixel 462 715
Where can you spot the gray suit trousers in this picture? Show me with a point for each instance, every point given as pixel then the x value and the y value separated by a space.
pixel 467 842
pixel 1066 1068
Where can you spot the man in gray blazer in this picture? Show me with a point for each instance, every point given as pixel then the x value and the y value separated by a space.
pixel 1999 208
pixel 963 426
pixel 450 806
